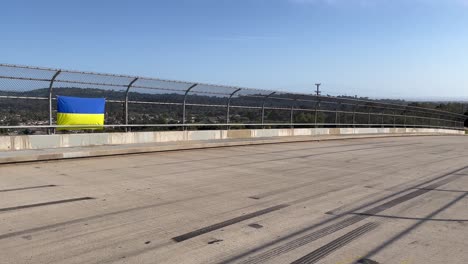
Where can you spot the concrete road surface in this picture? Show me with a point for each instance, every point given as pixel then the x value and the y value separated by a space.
pixel 386 200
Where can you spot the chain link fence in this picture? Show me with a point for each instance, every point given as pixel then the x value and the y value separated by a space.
pixel 28 95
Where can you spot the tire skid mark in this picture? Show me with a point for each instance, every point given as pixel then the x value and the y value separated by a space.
pixel 44 204
pixel 334 245
pixel 229 222
pixel 28 188
pixel 298 242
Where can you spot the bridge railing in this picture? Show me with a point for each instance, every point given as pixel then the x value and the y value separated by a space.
pixel 28 95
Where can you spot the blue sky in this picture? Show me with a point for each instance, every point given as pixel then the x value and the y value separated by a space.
pixel 376 48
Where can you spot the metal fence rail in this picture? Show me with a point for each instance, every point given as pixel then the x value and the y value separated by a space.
pixel 28 94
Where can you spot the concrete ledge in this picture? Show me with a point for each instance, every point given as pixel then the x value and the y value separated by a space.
pixel 55 147
pixel 29 142
pixel 123 149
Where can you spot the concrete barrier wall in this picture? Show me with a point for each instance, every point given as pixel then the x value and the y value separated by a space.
pixel 95 139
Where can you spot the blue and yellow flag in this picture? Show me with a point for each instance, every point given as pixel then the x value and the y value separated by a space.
pixel 80 111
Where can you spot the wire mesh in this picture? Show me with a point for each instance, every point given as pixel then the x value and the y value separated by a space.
pixel 28 103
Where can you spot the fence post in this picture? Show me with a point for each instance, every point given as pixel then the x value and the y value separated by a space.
pixel 369 116
pixel 50 130
pixel 184 104
pixel 228 106
pixel 317 106
pixel 354 114
pixel 126 103
pixel 336 113
pixel 292 113
pixel 263 107
pixel 394 119
pixel 404 120
pixel 429 121
pixel 382 114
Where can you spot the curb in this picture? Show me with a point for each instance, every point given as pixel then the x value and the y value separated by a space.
pixel 12 157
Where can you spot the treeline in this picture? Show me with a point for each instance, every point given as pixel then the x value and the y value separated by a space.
pixel 35 112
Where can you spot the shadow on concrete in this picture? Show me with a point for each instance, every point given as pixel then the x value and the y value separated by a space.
pixel 405 232
pixel 443 190
pixel 310 228
pixel 413 218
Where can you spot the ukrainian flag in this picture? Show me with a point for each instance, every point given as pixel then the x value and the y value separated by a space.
pixel 80 111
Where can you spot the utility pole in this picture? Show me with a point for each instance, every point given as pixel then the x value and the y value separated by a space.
pixel 317 103
pixel 317 92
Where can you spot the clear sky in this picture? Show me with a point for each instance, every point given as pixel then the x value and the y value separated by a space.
pixel 376 48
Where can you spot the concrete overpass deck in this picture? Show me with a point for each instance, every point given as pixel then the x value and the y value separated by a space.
pixel 373 200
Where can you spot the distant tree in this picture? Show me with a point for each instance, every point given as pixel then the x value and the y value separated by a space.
pixel 304 118
pixel 35 112
pixel 27 131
